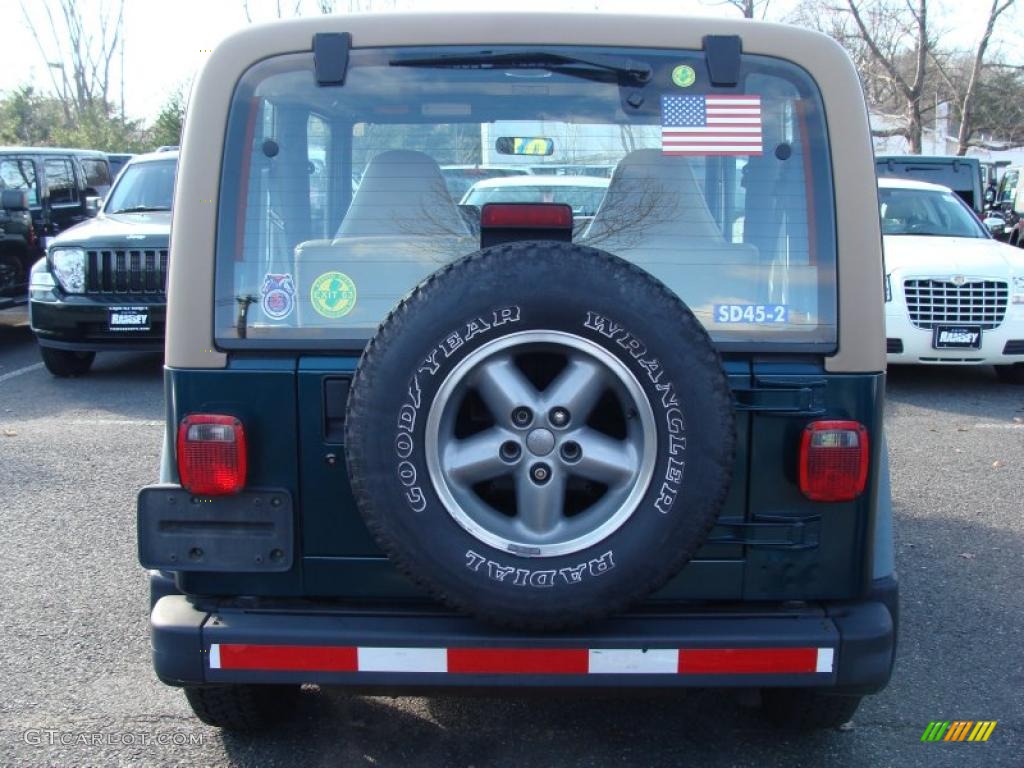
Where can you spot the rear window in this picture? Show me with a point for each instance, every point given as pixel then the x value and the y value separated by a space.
pixel 336 201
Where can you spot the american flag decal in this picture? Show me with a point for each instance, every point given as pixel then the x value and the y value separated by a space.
pixel 715 124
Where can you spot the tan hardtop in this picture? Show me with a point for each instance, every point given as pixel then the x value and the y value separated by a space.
pixel 190 325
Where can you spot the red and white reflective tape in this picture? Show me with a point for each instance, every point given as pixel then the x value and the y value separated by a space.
pixel 523 661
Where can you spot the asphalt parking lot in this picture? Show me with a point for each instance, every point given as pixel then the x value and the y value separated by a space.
pixel 77 686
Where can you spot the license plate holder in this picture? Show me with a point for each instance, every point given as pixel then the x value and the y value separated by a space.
pixel 251 531
pixel 128 319
pixel 956 337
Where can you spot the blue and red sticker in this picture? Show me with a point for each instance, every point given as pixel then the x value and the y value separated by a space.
pixel 277 296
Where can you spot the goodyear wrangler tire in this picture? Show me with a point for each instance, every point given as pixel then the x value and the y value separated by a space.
pixel 541 434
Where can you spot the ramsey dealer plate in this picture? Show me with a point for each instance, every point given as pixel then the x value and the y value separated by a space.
pixel 128 318
pixel 957 337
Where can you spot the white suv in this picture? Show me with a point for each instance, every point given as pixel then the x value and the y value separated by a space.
pixel 953 294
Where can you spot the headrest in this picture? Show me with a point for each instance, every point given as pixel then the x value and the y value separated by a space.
pixel 652 195
pixel 402 193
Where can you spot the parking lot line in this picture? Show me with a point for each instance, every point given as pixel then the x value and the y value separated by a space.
pixel 114 423
pixel 20 371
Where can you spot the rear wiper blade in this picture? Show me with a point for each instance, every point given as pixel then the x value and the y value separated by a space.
pixel 139 209
pixel 560 62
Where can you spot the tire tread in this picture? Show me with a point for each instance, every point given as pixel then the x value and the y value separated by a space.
pixel 238 707
pixel 804 709
pixel 65 363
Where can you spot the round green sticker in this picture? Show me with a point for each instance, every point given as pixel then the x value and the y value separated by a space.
pixel 333 294
pixel 683 76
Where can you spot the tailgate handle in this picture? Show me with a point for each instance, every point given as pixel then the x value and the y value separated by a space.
pixel 771 532
pixel 781 396
pixel 335 401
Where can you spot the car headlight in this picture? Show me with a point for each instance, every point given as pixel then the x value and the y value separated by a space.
pixel 69 267
pixel 1017 293
pixel 888 287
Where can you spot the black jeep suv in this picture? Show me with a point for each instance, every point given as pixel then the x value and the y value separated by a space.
pixel 102 283
pixel 44 191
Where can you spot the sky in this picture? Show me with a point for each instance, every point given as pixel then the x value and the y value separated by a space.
pixel 166 42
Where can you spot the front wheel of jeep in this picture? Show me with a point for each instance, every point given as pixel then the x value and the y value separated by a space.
pixel 802 709
pixel 241 707
pixel 64 363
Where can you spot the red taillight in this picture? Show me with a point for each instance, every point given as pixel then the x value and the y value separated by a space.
pixel 211 454
pixel 833 460
pixel 526 215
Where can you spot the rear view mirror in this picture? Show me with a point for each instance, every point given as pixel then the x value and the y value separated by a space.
pixel 14 200
pixel 93 205
pixel 517 145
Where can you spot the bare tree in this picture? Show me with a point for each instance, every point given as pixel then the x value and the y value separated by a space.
pixel 81 53
pixel 967 103
pixel 997 107
pixel 323 7
pixel 894 50
pixel 296 10
pixel 876 27
pixel 907 72
pixel 749 8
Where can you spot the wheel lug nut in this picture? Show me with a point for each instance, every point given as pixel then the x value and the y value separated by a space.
pixel 522 416
pixel 540 473
pixel 570 451
pixel 509 450
pixel 558 417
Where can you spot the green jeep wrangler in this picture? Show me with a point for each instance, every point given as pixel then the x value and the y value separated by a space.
pixel 413 446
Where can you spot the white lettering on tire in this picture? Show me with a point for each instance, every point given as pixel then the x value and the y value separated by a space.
pixel 674 420
pixel 541 578
pixel 408 414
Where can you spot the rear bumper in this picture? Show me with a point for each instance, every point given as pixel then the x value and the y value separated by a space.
pixel 847 647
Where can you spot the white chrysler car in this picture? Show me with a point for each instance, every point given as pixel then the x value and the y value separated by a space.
pixel 954 295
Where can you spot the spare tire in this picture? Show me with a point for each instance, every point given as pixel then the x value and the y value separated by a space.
pixel 541 434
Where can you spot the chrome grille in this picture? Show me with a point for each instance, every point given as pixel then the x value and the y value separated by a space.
pixel 978 302
pixel 126 271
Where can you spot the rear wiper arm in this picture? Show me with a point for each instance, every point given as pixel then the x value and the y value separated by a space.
pixel 559 62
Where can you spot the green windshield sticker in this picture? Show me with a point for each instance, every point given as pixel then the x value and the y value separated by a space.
pixel 333 295
pixel 684 76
